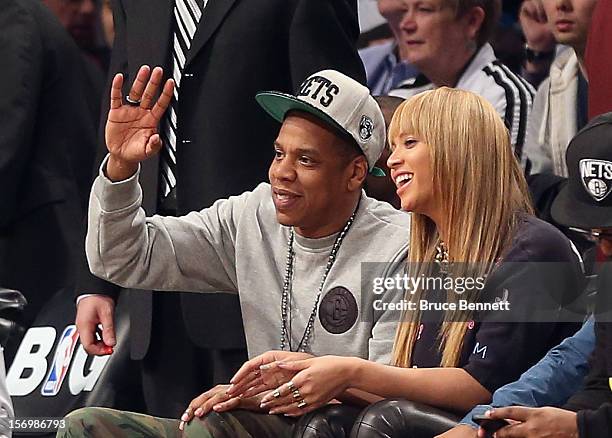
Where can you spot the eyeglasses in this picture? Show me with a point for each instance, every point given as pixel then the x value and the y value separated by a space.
pixel 594 235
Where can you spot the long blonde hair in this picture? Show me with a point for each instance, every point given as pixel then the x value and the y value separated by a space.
pixel 481 190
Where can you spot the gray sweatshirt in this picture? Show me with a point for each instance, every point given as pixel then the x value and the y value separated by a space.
pixel 238 245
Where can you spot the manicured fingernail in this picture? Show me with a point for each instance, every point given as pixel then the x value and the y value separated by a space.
pixel 272 411
pixel 199 412
pixel 185 417
pixel 217 406
pixel 265 367
pixel 181 425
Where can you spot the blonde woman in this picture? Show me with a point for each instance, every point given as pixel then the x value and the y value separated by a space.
pixel 471 218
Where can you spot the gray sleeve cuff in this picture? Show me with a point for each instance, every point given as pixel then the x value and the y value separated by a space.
pixel 114 196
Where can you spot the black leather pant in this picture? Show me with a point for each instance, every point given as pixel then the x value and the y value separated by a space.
pixel 331 421
pixel 402 419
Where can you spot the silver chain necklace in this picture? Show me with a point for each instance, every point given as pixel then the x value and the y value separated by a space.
pixel 288 286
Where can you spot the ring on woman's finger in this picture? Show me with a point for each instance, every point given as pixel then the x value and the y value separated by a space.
pixel 276 393
pixel 296 394
pixel 132 102
pixel 302 404
pixel 290 386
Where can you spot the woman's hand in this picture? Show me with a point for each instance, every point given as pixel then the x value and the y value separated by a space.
pixel 131 128
pixel 263 374
pixel 318 381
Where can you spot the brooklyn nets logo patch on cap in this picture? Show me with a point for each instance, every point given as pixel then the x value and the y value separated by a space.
pixel 366 128
pixel 338 310
pixel 596 177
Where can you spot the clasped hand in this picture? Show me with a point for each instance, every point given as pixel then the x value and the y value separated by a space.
pixel 296 383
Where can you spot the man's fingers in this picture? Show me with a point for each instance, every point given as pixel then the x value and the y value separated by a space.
pixel 108 326
pixel 255 390
pixel 153 145
pixel 296 412
pixel 540 10
pixel 514 431
pixel 164 100
pixel 518 413
pixel 139 84
pixel 208 405
pixel 146 101
pixel 290 409
pixel 87 335
pixel 116 96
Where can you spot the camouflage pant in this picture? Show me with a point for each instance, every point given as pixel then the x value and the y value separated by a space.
pixel 104 422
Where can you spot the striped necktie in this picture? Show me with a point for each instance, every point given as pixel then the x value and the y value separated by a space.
pixel 187 14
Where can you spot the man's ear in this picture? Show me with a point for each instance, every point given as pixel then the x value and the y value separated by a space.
pixel 474 19
pixel 358 169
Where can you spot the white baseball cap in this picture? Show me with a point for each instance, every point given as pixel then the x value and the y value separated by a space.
pixel 339 101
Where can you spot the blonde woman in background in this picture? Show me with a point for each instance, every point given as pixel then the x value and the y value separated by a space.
pixel 455 171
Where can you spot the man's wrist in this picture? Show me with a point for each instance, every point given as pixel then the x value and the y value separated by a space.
pixel 538 54
pixel 118 169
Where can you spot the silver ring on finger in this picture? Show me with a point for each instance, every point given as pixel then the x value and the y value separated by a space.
pixel 302 404
pixel 276 393
pixel 291 386
pixel 297 395
pixel 132 102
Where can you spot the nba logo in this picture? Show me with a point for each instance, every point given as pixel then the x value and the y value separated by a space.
pixel 61 361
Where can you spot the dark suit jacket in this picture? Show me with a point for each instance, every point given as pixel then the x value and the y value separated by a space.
pixel 47 147
pixel 224 142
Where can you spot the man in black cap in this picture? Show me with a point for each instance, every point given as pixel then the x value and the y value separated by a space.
pixel 585 203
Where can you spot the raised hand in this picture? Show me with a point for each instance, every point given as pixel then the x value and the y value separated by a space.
pixel 537 31
pixel 131 128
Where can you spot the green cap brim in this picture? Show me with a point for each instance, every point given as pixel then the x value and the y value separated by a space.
pixel 279 104
pixel 377 171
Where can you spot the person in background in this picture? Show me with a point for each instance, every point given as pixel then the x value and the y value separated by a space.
pixel 448 41
pixel 108 27
pixel 584 204
pixel 82 20
pixel 597 56
pixel 47 148
pixel 386 64
pixel 539 48
pixel 560 106
pixel 379 188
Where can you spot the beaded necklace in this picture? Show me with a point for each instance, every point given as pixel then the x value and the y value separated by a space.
pixel 285 337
